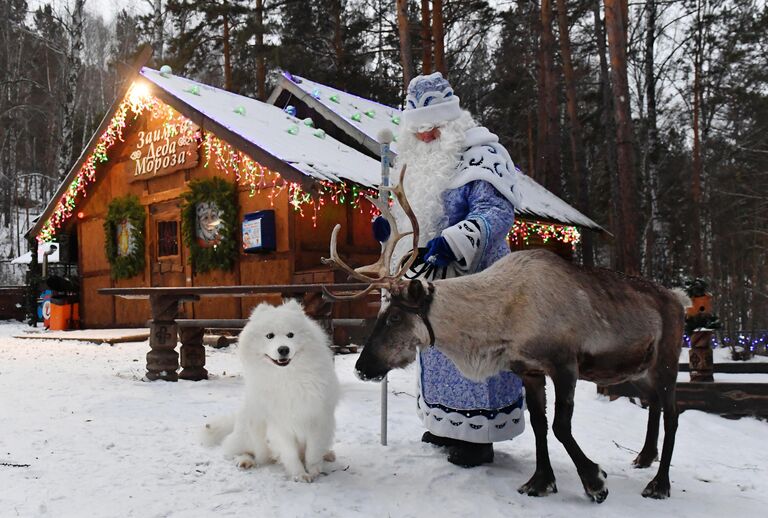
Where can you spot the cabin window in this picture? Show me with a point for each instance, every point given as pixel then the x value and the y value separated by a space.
pixel 167 238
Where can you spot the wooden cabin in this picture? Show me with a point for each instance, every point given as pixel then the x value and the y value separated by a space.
pixel 307 161
pixel 166 132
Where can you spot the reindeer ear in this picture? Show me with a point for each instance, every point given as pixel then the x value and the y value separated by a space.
pixel 417 291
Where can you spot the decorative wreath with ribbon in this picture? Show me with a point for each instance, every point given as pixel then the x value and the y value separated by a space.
pixel 124 236
pixel 208 222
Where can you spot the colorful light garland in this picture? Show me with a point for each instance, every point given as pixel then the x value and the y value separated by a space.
pixel 523 230
pixel 258 178
pixel 247 171
pixel 136 101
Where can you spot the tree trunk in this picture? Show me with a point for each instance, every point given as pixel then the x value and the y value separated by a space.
pixel 158 44
pixel 261 61
pixel 74 63
pixel 606 119
pixel 656 242
pixel 426 39
pixel 696 171
pixel 580 173
pixel 406 56
pixel 338 44
pixel 227 51
pixel 438 37
pixel 548 138
pixel 626 229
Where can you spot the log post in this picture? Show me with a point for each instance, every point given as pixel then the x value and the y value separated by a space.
pixel 700 356
pixel 698 319
pixel 162 358
pixel 192 354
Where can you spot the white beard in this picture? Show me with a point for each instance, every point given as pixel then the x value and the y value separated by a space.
pixel 430 165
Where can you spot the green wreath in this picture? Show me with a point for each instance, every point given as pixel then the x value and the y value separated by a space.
pixel 223 194
pixel 127 209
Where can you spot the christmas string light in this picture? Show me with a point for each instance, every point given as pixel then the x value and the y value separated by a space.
pixel 523 230
pixel 246 171
pixel 136 101
pixel 259 178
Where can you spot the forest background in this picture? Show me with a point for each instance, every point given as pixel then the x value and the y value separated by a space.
pixel 649 116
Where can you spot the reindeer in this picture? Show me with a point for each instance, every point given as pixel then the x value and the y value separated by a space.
pixel 537 315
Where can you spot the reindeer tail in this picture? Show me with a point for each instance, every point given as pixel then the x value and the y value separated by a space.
pixel 216 429
pixel 681 297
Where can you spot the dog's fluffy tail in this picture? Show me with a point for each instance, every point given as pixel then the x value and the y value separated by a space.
pixel 216 429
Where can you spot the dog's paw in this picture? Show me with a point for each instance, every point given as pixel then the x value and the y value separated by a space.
pixel 304 477
pixel 315 470
pixel 330 456
pixel 245 461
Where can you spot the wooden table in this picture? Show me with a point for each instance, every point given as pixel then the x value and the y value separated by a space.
pixel 162 358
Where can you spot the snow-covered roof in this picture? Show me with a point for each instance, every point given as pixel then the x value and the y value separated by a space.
pixel 360 118
pixel 537 202
pixel 272 130
pixel 348 112
pixel 298 151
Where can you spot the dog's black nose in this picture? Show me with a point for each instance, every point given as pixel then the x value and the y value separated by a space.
pixel 283 350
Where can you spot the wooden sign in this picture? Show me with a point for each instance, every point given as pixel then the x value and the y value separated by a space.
pixel 163 151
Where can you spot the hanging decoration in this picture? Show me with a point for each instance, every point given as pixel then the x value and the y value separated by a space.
pixel 124 236
pixel 258 178
pixel 523 230
pixel 248 172
pixel 136 101
pixel 208 221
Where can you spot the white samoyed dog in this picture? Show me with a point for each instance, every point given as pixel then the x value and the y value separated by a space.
pixel 291 392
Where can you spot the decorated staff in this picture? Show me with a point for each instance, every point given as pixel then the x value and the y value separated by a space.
pixel 385 138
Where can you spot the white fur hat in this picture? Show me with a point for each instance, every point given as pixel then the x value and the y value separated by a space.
pixel 429 102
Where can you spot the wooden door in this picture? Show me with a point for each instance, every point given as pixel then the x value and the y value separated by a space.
pixel 166 251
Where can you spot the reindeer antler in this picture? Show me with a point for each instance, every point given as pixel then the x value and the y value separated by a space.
pixel 382 266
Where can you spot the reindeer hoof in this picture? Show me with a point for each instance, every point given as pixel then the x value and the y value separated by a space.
pixel 539 485
pixel 644 460
pixel 595 489
pixel 658 489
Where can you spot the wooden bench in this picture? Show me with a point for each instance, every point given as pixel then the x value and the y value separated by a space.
pixel 164 326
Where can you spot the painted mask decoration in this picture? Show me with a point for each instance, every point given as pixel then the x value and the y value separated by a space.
pixel 208 226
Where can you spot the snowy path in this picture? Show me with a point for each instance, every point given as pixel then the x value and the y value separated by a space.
pixel 101 442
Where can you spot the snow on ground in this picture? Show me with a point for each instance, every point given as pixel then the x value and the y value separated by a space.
pixel 99 441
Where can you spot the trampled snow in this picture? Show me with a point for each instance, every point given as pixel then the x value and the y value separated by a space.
pixel 99 441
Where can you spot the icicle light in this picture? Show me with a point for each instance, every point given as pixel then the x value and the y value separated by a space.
pixel 523 230
pixel 246 171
